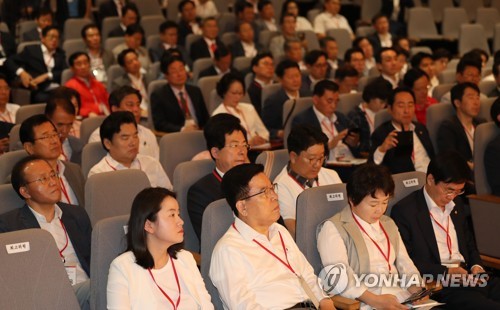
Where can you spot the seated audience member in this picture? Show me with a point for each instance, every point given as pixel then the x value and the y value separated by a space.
pixel 127 98
pixel 222 63
pixel 188 22
pixel 61 112
pixel 263 73
pixel 362 227
pixel 492 153
pixel 245 11
pixel 93 94
pixel 330 46
pixel 40 138
pixel 317 68
pixel 100 59
pixel 294 52
pixel 366 47
pixel 206 46
pixel 177 106
pixel 331 19
pixel 7 49
pixel 245 46
pixel 265 281
pixel 38 184
pixel 75 100
pixel 457 133
pixel 40 66
pixel 291 7
pixel 422 217
pixel 402 42
pixel 441 57
pixel 418 81
pixel 363 116
pixel 228 147
pixel 425 62
pixel 205 8
pixel 289 76
pixel 288 23
pixel 468 70
pixel 355 58
pixel 382 37
pixel 402 61
pixel 347 78
pixel 496 77
pixel 133 40
pixel 400 152
pixel 323 116
pixel 7 110
pixel 387 65
pixel 143 276
pixel 120 138
pixel 308 152
pixel 231 89
pixel 43 18
pixel 109 8
pixel 266 20
pixel 169 35
pixel 129 16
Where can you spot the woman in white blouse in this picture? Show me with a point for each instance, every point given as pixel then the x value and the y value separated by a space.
pixel 291 7
pixel 231 89
pixel 155 273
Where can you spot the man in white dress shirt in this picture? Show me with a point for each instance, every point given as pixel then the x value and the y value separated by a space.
pixel 331 19
pixel 256 264
pixel 119 136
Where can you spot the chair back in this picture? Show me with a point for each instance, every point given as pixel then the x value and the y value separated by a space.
pixel 185 175
pixel 89 125
pixel 347 102
pixel 437 7
pixel 190 38
pixel 66 75
pixel 436 114
pixel 22 45
pixel 33 275
pixel 265 36
pixel 472 36
pixel 24 27
pixel 267 91
pixel 314 206
pixel 9 198
pixel 199 65
pixel 273 162
pixel 109 23
pixel 71 46
pixel 485 215
pixel 488 18
pixel 440 90
pixel 483 135
pixel 227 21
pixel 293 108
pixel 484 111
pixel 112 42
pixel 109 194
pixel 242 64
pixel 452 19
pixel 206 85
pixel 419 30
pixel 151 22
pixel 381 117
pixel 14 139
pixel 73 27
pixel 92 153
pixel 343 38
pixel 229 38
pixel 7 162
pixel 404 184
pixel 369 9
pixel 27 111
pixel 114 71
pixel 108 242
pixel 154 85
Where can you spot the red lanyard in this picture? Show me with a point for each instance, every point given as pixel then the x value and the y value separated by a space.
pixel 176 305
pixel 386 257
pixel 114 168
pixel 66 245
pixel 447 231
pixel 330 130
pixel 287 264
pixel 302 186
pixel 217 176
pixel 63 187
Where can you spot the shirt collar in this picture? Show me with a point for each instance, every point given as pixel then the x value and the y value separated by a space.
pixel 42 219
pixel 45 50
pixel 398 127
pixel 300 179
pixel 118 166
pixel 262 83
pixel 249 234
pixel 434 207
pixel 322 117
pixel 374 227
pixel 177 90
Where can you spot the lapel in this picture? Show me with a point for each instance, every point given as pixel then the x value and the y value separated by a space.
pixel 27 218
pixel 424 221
pixel 73 182
pixel 353 230
pixel 175 102
pixel 38 55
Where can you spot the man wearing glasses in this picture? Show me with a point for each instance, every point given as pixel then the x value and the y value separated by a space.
pixel 37 183
pixel 272 273
pixel 436 231
pixel 307 150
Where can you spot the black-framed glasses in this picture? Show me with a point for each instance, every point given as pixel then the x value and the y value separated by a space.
pixel 266 191
pixel 314 161
pixel 49 137
pixel 233 146
pixel 44 180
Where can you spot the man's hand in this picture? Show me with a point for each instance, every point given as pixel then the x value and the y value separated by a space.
pixel 390 142
pixel 25 79
pixel 352 139
pixel 335 140
pixel 39 79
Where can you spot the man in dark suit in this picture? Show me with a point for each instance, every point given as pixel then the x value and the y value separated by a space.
pixel 317 68
pixel 38 184
pixel 246 45
pixel 422 217
pixel 129 16
pixel 228 147
pixel 263 72
pixel 397 23
pixel 169 34
pixel 40 66
pixel 492 153
pixel 398 151
pixel 222 64
pixel 205 47
pixel 43 18
pixel 177 106
pixel 387 64
pixel 129 60
pixel 111 8
pixel 7 49
pixel 330 46
pixel 40 138
pixel 382 37
pixel 289 75
pixel 188 23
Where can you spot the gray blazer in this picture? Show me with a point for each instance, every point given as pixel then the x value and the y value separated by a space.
pixel 74 176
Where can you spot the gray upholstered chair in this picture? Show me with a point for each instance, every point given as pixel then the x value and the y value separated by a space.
pixel 292 108
pixel 9 198
pixel 7 162
pixel 273 162
pixel 436 114
pixel 482 136
pixel 26 111
pixel 92 153
pixel 405 184
pixel 88 126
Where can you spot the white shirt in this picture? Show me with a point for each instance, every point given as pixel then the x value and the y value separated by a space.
pixel 152 167
pixel 370 117
pixel 67 151
pixel 192 110
pixel 60 236
pixel 270 24
pixel 394 81
pixel 147 139
pixel 400 262
pixel 9 115
pixel 329 129
pixel 66 190
pixel 325 21
pixel 248 277
pixel 138 84
pixel 207 9
pixel 249 48
pixel 289 189
pixel 385 40
pixel 433 82
pixel 422 159
pixel 249 119
pixel 303 24
pixel 130 286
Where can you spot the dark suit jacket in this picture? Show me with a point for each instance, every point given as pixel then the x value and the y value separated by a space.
pixel 358 120
pixel 200 49
pixel 116 32
pixel 395 163
pixel 31 35
pixel 452 136
pixel 255 94
pixel 75 220
pixel 200 195
pixel 156 52
pixel 107 9
pixel 411 214
pixel 388 8
pixel 492 165
pixel 306 81
pixel 8 44
pixel 62 12
pixel 272 111
pixel 237 49
pixel 74 176
pixel 167 114
pixel 375 41
pixel 184 30
pixel 494 93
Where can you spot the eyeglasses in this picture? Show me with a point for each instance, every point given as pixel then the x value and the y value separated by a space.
pixel 453 193
pixel 314 161
pixel 267 192
pixel 44 180
pixel 48 137
pixel 233 146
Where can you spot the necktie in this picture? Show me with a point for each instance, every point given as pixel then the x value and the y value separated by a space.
pixel 213 47
pixel 184 105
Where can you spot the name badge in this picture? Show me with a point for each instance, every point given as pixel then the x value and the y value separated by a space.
pixel 410 182
pixel 71 271
pixel 335 196
pixel 17 247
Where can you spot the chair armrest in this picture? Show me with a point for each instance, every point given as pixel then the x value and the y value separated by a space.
pixel 345 303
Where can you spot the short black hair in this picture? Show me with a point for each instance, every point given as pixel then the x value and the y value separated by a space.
pixel 262 4
pixel 239 24
pixel 64 102
pixel 218 126
pixel 480 52
pixel 258 57
pixel 116 96
pixel 183 3
pixel 495 111
pixel 123 54
pixel 240 6
pixel 17 175
pixel 167 25
pixel 378 16
pixel 458 90
pixel 377 89
pixel 495 69
pixel 313 56
pixel 27 129
pixel 225 82
pixel 133 29
pixel 235 183
pixel 302 137
pixel 378 56
pixel 221 51
pixel 344 71
pixel 324 85
pixel 131 7
pixel 357 41
pixel 348 53
pixel 112 125
pixel 49 28
pixel 83 32
pixel 167 60
pixel 283 16
pixel 449 167
pixel 469 61
pixel 42 11
pixel 285 65
pixel 207 19
pixel 75 55
pixel 441 53
pixel 413 75
pixel 66 92
pixel 323 41
pixel 366 180
pixel 418 58
pixel 400 89
pixel 146 206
